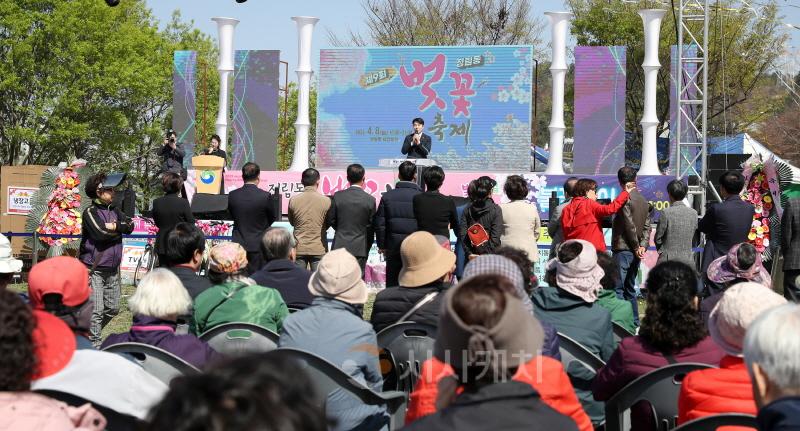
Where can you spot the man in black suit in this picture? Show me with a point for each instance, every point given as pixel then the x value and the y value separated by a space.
pixel 726 223
pixel 168 211
pixel 251 210
pixel 417 145
pixel 351 216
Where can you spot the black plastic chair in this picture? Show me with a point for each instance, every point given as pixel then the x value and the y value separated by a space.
pixel 327 378
pixel 573 351
pixel 163 365
pixel 115 421
pixel 240 338
pixel 620 332
pixel 660 388
pixel 711 423
pixel 408 345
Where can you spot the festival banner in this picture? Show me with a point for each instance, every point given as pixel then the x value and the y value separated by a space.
pixel 475 101
pixel 255 109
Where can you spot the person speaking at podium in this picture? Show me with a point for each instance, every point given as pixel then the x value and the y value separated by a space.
pixel 417 145
pixel 214 150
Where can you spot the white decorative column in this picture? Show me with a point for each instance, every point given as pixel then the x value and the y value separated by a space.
pixel 225 27
pixel 305 29
pixel 652 27
pixel 559 22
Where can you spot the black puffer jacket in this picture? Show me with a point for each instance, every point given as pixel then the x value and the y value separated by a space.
pixel 488 214
pixel 392 303
pixel 395 218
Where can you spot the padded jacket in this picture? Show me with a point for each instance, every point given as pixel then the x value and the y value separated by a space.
pixel 395 218
pixel 490 216
pixel 581 219
pixel 726 389
pixel 392 303
pixel 546 375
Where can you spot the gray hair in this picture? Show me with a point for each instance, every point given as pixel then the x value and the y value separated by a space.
pixel 277 243
pixel 773 344
pixel 160 294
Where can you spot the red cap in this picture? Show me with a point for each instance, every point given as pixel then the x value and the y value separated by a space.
pixel 54 344
pixel 64 275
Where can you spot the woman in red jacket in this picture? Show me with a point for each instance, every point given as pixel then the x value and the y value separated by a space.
pixel 581 218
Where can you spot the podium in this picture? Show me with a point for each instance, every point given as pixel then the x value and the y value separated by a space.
pixel 208 177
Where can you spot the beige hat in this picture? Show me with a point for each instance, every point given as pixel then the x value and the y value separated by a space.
pixel 424 260
pixel 736 310
pixel 338 276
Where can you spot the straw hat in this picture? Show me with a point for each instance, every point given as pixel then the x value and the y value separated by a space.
pixel 338 276
pixel 424 260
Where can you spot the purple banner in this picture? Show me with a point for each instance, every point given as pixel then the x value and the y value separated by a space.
pixel 255 109
pixel 689 92
pixel 599 109
pixel 184 67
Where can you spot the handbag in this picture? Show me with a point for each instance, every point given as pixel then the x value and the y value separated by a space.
pixel 477 235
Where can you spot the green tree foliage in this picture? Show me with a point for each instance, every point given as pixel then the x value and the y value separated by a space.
pixel 78 78
pixel 286 131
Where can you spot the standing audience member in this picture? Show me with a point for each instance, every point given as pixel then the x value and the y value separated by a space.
pixel 255 392
pixel 395 220
pixel 728 222
pixel 582 218
pixel 676 227
pixel 234 296
pixel 307 212
pixel 158 301
pixel 568 303
pixel 790 246
pixel 727 389
pixel 335 315
pixel 771 358
pixel 8 264
pixel 620 309
pixel 521 224
pixel 251 210
pixel 101 251
pixel 486 346
pixel 426 274
pixel 435 212
pixel 281 272
pixel 185 245
pixel 481 224
pixel 741 264
pixel 60 286
pixel 172 154
pixel 554 223
pixel 671 332
pixel 351 214
pixel 168 211
pixel 630 237
pixel 35 344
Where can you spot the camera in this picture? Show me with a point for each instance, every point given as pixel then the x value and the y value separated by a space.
pixel 170 135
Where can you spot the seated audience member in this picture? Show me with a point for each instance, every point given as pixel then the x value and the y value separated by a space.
pixel 8 264
pixel 184 246
pixel 435 212
pixel 569 304
pixel 35 344
pixel 235 297
pixel 158 301
pixel 426 273
pixel 620 309
pixel 499 265
pixel 281 272
pixel 582 217
pixel 671 332
pixel 257 392
pixel 486 336
pixel 60 286
pixel 741 264
pixel 771 352
pixel 481 223
pixel 332 328
pixel 727 389
pixel 520 257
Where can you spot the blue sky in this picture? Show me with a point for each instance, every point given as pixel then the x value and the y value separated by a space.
pixel 266 24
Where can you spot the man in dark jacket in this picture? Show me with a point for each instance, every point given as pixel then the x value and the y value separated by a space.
pixel 435 212
pixel 417 145
pixel 728 222
pixel 630 235
pixel 168 211
pixel 184 246
pixel 281 272
pixel 351 214
pixel 790 245
pixel 427 270
pixel 101 251
pixel 395 220
pixel 251 210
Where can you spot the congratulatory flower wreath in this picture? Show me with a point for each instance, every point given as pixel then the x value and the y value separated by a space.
pixel 763 191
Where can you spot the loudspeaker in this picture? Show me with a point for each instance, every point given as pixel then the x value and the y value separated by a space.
pixel 210 207
pixel 718 164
